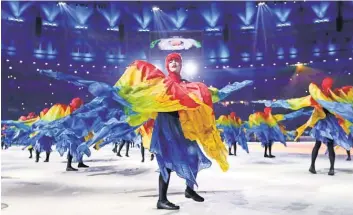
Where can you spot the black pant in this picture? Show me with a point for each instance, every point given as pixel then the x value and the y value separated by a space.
pixel 124 142
pixel 234 147
pixel 142 152
pixel 331 153
pixel 269 147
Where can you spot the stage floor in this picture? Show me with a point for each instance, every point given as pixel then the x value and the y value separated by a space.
pixel 124 185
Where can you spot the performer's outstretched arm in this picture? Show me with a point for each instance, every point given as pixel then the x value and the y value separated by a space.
pixel 292 104
pixel 292 115
pixel 219 95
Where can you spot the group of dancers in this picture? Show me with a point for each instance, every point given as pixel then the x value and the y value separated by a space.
pixel 173 119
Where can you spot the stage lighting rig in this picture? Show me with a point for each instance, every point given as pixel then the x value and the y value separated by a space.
pixel 61 3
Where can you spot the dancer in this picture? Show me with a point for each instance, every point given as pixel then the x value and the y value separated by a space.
pixel 324 124
pixel 30 133
pixel 233 132
pixel 183 114
pixel 144 138
pixel 267 129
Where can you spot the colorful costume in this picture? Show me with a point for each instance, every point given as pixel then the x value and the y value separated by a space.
pixel 182 111
pixel 232 131
pixel 267 129
pixel 324 124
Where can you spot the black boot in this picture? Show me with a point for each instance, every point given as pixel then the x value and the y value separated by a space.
pixel 270 151
pixel 82 165
pixel 190 193
pixel 332 157
pixel 348 155
pixel 312 169
pixel 142 154
pixel 163 202
pixel 47 157
pixel 235 148
pixel 30 152
pixel 152 157
pixel 314 154
pixel 121 145
pixel 265 155
pixel 127 149
pixel 230 150
pixel 115 148
pixel 37 156
pixel 69 162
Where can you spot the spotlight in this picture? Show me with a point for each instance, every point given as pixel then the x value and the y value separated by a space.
pixel 191 68
pixel 155 8
pixel 350 58
pixel 61 3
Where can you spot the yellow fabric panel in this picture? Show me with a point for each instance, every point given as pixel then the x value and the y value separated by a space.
pixel 317 115
pixel 298 103
pixel 200 125
pixel 344 97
